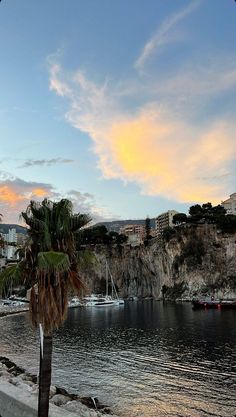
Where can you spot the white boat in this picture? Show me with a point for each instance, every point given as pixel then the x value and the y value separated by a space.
pixel 74 302
pixel 96 300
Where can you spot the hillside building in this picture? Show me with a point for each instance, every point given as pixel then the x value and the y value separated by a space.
pixel 230 204
pixel 164 220
pixel 136 233
pixel 11 236
pixel 133 229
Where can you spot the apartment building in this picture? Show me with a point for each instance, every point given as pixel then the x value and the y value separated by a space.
pixel 133 229
pixel 230 204
pixel 164 220
pixel 12 241
pixel 10 252
pixel 11 236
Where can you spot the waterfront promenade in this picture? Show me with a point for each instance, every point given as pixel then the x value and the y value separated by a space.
pixel 19 389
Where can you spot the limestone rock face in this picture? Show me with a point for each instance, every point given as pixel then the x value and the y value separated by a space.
pixel 197 260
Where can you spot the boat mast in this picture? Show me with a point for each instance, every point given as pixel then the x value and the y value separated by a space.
pixel 113 287
pixel 106 279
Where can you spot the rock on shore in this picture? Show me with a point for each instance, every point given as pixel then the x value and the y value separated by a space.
pixel 83 407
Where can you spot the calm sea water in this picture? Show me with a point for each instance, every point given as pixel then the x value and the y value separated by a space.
pixel 143 359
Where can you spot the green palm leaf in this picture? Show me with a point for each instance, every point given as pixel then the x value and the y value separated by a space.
pixel 11 276
pixel 53 262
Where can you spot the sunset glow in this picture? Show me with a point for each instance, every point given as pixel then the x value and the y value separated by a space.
pixel 136 125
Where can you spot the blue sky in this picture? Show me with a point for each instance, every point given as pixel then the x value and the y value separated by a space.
pixel 125 107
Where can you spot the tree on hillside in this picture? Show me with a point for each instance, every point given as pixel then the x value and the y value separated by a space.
pixel 180 218
pixel 147 228
pixel 98 235
pixel 168 233
pixel 49 267
pixel 195 210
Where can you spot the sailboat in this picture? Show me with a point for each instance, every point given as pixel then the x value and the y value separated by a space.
pixel 108 300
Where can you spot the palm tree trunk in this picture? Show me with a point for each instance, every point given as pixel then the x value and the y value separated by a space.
pixel 45 371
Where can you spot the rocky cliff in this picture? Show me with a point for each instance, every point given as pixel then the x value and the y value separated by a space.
pixel 195 260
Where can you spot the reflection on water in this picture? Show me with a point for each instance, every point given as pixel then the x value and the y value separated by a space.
pixel 143 359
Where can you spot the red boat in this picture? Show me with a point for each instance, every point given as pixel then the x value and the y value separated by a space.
pixel 219 304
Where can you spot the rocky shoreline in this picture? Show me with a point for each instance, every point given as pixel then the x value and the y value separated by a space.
pixel 82 406
pixel 8 310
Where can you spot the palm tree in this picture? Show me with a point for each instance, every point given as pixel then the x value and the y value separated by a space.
pixel 50 267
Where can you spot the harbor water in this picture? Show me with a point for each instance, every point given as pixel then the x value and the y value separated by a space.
pixel 144 359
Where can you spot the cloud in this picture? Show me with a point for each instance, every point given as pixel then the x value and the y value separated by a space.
pixel 165 156
pixel 61 88
pixel 163 35
pixel 193 81
pixel 153 146
pixel 15 195
pixel 45 162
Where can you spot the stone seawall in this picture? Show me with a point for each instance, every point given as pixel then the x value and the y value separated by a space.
pixel 17 403
pixel 19 397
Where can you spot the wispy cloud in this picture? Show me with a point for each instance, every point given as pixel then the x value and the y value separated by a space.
pixel 45 162
pixel 163 34
pixel 151 130
pixel 152 146
pixel 214 77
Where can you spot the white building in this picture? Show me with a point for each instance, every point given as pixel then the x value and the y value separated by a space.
pixel 11 236
pixel 164 220
pixel 230 204
pixel 9 252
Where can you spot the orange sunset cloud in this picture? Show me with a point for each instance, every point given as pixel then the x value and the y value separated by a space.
pixel 160 149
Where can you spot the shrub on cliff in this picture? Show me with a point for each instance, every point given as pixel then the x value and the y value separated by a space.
pixel 168 233
pixel 192 254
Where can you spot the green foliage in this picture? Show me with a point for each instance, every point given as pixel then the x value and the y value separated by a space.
pixel 192 254
pixel 206 213
pixel 49 264
pixel 92 235
pixel 227 223
pixel 195 210
pixel 52 224
pixel 10 277
pixel 86 258
pixel 98 235
pixel 53 262
pixel 168 233
pixel 180 218
pixel 147 228
pixel 211 215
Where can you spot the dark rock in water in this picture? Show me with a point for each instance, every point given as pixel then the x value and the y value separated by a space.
pixel 90 402
pixel 63 391
pixel 12 367
pixel 106 410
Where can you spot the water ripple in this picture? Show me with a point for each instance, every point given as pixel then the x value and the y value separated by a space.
pixel 145 360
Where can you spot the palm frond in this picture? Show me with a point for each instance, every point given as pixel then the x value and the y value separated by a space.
pixel 79 220
pixel 11 276
pixel 53 262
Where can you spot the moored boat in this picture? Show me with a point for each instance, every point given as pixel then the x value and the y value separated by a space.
pixel 74 302
pixel 113 299
pixel 218 304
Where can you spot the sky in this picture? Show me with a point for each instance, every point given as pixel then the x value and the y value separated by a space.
pixel 127 108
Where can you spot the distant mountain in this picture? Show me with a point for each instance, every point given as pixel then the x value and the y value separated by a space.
pixel 115 225
pixel 19 229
